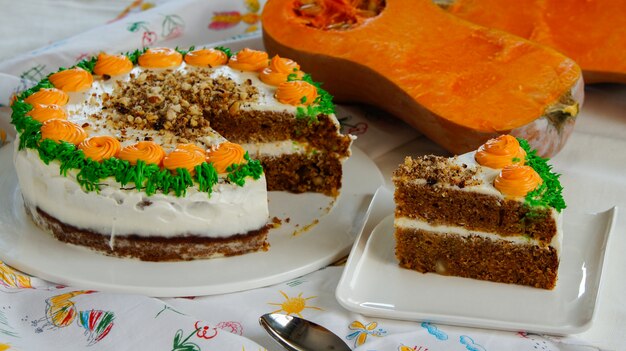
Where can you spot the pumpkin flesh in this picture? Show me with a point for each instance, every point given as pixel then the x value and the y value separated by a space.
pixel 591 32
pixel 457 82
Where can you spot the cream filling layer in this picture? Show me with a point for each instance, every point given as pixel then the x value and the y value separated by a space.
pixel 416 224
pixel 114 211
pixel 277 148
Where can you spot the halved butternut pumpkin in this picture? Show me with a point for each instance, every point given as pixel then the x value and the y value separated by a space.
pixel 592 33
pixel 458 83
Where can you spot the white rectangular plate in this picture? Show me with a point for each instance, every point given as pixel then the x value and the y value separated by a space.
pixel 374 284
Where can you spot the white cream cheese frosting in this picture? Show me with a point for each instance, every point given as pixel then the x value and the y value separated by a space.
pixel 229 210
pixel 417 224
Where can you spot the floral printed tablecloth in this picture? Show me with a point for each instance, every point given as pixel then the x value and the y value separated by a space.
pixel 40 315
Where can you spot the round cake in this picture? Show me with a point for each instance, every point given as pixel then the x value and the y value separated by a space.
pixel 167 154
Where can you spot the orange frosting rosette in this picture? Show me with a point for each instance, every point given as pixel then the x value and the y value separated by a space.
pixel 48 96
pixel 146 151
pixel 160 58
pixel 500 152
pixel 296 92
pixel 279 70
pixel 186 156
pixel 224 155
pixel 72 80
pixel 62 130
pixel 43 113
pixel 101 147
pixel 249 60
pixel 112 65
pixel 517 181
pixel 206 58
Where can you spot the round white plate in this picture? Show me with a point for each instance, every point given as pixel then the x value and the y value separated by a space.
pixel 298 246
pixel 375 285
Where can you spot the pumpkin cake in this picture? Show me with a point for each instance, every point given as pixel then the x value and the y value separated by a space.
pixel 490 214
pixel 163 154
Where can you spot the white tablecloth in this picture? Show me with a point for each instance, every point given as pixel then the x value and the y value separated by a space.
pixel 37 315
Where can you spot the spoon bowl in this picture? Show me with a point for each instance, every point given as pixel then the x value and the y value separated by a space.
pixel 297 334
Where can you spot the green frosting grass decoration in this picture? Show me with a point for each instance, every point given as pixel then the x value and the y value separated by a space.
pixel 185 52
pixel 549 193
pixel 227 51
pixel 88 64
pixel 237 173
pixel 323 103
pixel 133 56
pixel 147 177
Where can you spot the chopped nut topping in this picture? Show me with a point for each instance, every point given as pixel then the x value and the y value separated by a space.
pixel 437 171
pixel 178 102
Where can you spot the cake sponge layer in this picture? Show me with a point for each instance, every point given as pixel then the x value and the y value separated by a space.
pixel 477 257
pixel 153 248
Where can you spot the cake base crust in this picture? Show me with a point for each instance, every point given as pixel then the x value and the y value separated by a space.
pixel 477 257
pixel 151 248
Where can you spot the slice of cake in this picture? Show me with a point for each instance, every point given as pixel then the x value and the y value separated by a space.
pixel 492 214
pixel 163 154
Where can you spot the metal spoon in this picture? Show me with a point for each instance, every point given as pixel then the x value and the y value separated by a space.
pixel 297 334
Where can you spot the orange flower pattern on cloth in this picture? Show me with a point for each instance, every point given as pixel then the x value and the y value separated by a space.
pixel 249 60
pixel 296 92
pixel 186 156
pixel 72 80
pixel 43 113
pixel 48 96
pixel 99 148
pixel 517 181
pixel 62 130
pixel 500 152
pixel 206 58
pixel 112 65
pixel 146 151
pixel 279 70
pixel 224 155
pixel 160 58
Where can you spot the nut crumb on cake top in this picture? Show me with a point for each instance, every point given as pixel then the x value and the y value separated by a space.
pixel 437 170
pixel 174 102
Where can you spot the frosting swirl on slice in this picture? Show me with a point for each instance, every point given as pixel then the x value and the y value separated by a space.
pixel 224 155
pixel 186 156
pixel 160 58
pixel 249 60
pixel 296 92
pixel 500 152
pixel 146 151
pixel 48 96
pixel 206 58
pixel 112 65
pixel 62 130
pixel 517 181
pixel 43 113
pixel 279 70
pixel 72 80
pixel 99 148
